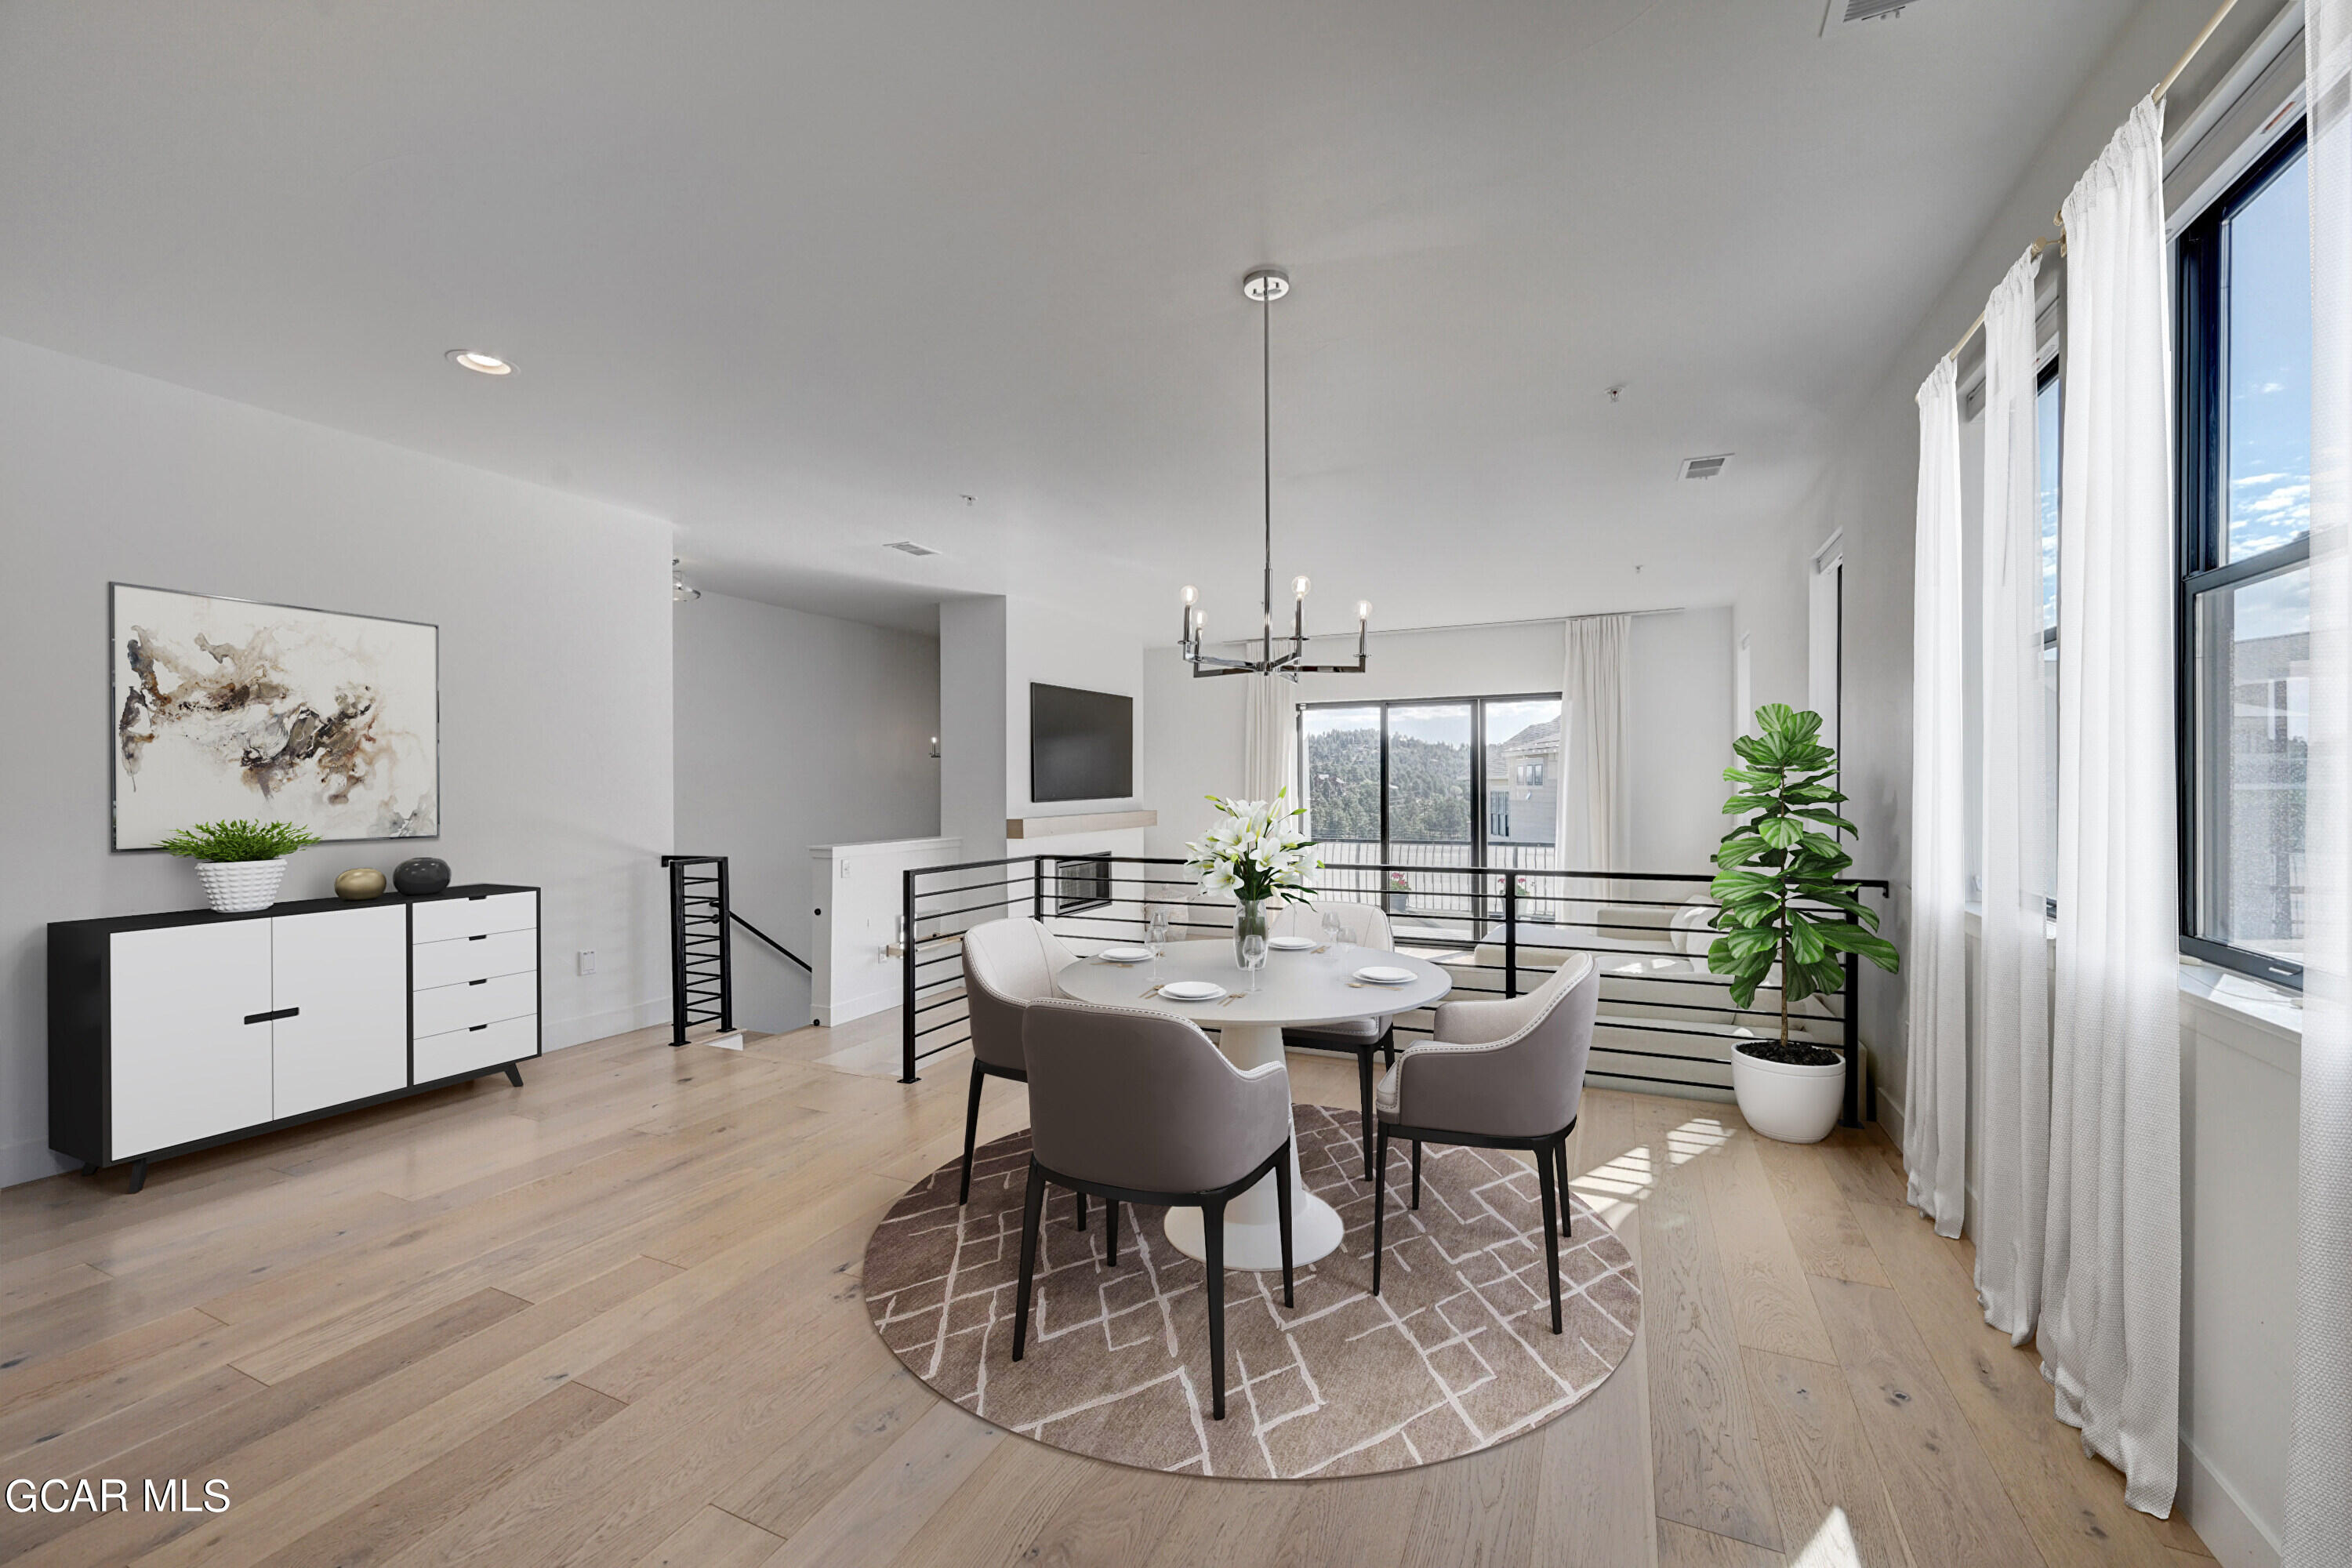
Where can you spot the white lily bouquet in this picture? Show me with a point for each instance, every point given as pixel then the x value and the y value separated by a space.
pixel 1257 853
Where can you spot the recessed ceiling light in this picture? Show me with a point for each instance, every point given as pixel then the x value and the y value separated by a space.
pixel 481 363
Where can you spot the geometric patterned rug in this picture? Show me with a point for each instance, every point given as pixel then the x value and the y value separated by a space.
pixel 1458 1354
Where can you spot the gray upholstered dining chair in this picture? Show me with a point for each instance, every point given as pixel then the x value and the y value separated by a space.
pixel 1140 1107
pixel 1496 1075
pixel 1007 965
pixel 1367 927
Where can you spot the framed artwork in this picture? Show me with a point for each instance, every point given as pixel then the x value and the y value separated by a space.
pixel 224 707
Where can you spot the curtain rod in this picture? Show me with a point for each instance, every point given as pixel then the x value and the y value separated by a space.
pixel 2213 25
pixel 2204 34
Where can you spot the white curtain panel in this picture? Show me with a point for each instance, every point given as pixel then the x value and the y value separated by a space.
pixel 2110 1331
pixel 1936 1045
pixel 1269 733
pixel 1593 689
pixel 2319 1466
pixel 2013 956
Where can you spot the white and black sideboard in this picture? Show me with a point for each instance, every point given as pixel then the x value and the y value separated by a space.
pixel 171 1032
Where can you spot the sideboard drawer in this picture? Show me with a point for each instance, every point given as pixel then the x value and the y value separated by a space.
pixel 447 1007
pixel 484 1045
pixel 438 920
pixel 460 959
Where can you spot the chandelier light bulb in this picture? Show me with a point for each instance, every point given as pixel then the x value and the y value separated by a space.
pixel 1190 593
pixel 1363 609
pixel 1299 586
pixel 1200 619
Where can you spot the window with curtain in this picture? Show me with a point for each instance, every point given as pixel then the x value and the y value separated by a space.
pixel 2243 357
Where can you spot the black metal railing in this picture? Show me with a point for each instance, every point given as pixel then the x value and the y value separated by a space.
pixel 1665 1021
pixel 702 973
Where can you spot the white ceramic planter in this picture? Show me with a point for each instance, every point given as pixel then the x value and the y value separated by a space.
pixel 1792 1103
pixel 236 887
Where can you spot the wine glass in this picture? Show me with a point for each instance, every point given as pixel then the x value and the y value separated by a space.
pixel 1155 937
pixel 1253 955
pixel 1335 929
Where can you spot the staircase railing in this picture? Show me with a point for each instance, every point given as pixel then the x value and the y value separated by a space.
pixel 702 971
pixel 1665 1021
pixel 702 949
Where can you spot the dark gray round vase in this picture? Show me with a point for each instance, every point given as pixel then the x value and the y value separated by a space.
pixel 421 876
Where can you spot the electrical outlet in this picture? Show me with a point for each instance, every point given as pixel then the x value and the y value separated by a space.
pixel 587 961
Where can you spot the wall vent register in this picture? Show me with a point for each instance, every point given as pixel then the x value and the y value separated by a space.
pixel 1702 468
pixel 908 547
pixel 1848 12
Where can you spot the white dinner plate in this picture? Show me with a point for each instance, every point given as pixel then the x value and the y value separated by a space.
pixel 1192 991
pixel 1385 975
pixel 1291 944
pixel 1125 955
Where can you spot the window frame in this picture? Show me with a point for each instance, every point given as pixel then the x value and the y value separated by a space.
pixel 2053 369
pixel 1480 839
pixel 2201 523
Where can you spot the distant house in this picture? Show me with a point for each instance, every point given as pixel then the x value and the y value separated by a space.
pixel 1523 786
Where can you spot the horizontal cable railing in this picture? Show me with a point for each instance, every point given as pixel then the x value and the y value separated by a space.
pixel 1666 1020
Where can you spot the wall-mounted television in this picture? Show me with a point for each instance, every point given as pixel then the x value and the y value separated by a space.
pixel 1081 743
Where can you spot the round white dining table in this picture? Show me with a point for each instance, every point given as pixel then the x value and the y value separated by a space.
pixel 1293 989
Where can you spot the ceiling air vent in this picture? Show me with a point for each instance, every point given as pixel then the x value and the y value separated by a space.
pixel 1703 468
pixel 1846 12
pixel 908 547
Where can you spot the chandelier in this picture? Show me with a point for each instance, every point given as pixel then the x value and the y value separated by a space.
pixel 1266 285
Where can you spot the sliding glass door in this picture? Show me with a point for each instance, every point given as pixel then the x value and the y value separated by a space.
pixel 1432 788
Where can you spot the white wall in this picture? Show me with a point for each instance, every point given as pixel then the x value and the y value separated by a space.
pixel 1191 728
pixel 795 729
pixel 973 756
pixel 555 672
pixel 2240 1279
pixel 1680 739
pixel 991 649
pixel 1048 647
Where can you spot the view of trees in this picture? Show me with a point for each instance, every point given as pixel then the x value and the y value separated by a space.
pixel 1429 788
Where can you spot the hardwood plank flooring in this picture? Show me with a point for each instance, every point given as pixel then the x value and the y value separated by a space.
pixel 613 1318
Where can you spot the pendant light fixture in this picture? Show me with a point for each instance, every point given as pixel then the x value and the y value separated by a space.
pixel 1266 285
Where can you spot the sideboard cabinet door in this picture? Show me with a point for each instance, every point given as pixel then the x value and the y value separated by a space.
pixel 341 996
pixel 184 1064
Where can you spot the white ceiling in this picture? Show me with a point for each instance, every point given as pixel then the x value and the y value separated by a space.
pixel 800 277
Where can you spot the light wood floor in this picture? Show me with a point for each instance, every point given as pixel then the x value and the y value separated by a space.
pixel 613 1318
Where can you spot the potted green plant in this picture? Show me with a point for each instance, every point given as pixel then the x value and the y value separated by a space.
pixel 1787 917
pixel 241 864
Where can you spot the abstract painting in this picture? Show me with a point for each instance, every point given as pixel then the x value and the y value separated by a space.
pixel 223 708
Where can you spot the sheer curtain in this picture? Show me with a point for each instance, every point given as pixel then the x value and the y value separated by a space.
pixel 2319 1465
pixel 2013 963
pixel 2110 1331
pixel 1269 733
pixel 1593 690
pixel 1935 1047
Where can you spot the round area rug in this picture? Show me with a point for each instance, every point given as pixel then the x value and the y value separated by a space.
pixel 1455 1355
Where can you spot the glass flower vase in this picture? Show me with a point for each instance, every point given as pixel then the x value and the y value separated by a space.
pixel 1252 919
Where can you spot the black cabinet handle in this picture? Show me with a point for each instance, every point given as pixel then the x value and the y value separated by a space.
pixel 478 1028
pixel 265 1018
pixel 484 981
pixel 484 937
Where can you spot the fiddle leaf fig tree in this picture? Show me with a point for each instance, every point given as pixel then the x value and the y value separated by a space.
pixel 1778 871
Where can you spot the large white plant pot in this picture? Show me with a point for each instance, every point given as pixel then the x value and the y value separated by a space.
pixel 1792 1103
pixel 234 886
